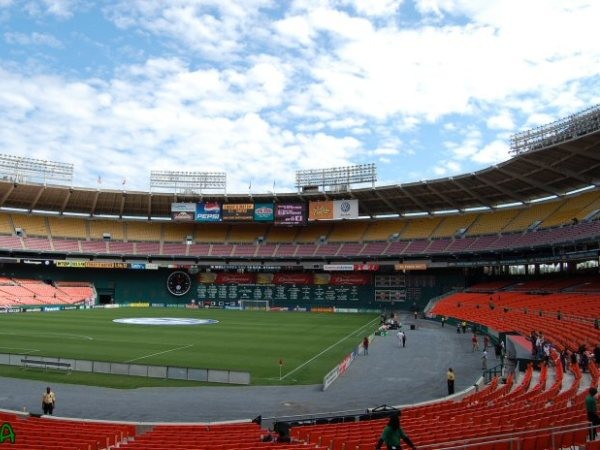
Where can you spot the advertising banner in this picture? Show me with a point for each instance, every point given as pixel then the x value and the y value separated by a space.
pixel 338 267
pixel 293 278
pixel 345 209
pixel 236 278
pixel 350 279
pixel 238 212
pixel 208 212
pixel 183 211
pixel 264 212
pixel 290 214
pixel 320 210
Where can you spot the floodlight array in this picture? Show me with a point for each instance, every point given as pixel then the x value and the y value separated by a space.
pixel 20 169
pixel 336 176
pixel 576 125
pixel 188 181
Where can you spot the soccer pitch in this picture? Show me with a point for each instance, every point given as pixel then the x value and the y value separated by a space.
pixel 309 344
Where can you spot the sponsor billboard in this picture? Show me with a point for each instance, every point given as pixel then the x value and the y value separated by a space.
pixel 183 211
pixel 320 210
pixel 238 212
pixel 264 212
pixel 345 209
pixel 208 212
pixel 337 209
pixel 290 214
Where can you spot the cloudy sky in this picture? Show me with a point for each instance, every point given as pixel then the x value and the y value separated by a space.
pixel 261 88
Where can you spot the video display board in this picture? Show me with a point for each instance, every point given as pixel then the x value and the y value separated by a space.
pixel 290 214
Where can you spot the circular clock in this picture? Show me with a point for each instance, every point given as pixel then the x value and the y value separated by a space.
pixel 179 283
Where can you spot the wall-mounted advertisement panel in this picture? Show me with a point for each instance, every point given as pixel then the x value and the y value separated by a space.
pixel 328 210
pixel 320 210
pixel 264 212
pixel 290 214
pixel 208 212
pixel 183 212
pixel 238 212
pixel 345 209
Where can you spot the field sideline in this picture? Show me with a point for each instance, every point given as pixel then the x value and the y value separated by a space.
pixel 310 344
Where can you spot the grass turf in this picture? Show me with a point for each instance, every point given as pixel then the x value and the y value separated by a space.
pixel 310 344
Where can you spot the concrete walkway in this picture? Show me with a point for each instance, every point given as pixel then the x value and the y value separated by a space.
pixel 389 375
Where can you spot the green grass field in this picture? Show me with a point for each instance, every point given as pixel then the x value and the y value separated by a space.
pixel 310 344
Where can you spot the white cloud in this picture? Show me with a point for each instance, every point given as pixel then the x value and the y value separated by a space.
pixel 62 9
pixel 502 121
pixel 492 153
pixel 385 151
pixel 32 39
pixel 215 28
pixel 375 7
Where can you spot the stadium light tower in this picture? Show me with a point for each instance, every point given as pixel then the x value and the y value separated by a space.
pixel 336 178
pixel 19 170
pixel 571 127
pixel 187 182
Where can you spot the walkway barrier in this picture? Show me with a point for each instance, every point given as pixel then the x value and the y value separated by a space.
pixel 138 370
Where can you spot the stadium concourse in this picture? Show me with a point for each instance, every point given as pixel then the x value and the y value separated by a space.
pixel 389 375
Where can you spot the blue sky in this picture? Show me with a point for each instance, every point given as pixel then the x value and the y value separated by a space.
pixel 261 88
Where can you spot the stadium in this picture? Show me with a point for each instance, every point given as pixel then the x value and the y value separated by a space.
pixel 178 291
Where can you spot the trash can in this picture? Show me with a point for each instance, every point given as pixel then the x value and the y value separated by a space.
pixel 413 326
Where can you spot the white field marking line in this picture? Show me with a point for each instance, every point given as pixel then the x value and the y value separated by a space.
pixel 89 338
pixel 328 348
pixel 31 350
pixel 159 353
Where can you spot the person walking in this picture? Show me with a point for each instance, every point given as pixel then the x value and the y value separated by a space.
pixel 451 378
pixel 591 408
pixel 401 335
pixel 484 357
pixel 392 434
pixel 475 342
pixel 48 401
pixel 366 346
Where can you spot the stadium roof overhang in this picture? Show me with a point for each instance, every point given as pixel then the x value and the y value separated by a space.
pixel 547 172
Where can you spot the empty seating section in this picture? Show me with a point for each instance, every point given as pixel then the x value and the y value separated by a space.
pixel 246 232
pixel 36 433
pixel 451 225
pixel 177 232
pixel 94 246
pixel 31 225
pixel 348 231
pixel 113 227
pixel 23 292
pixel 577 207
pixel 492 222
pixel 420 228
pixel 523 312
pixel 382 230
pixel 211 232
pixel 243 436
pixel 282 234
pixel 6 226
pixel 512 413
pixel 529 216
pixel 37 243
pixel 143 231
pixel 313 233
pixel 63 227
pixel 483 231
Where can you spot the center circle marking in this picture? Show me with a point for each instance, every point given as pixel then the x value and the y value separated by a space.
pixel 165 321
